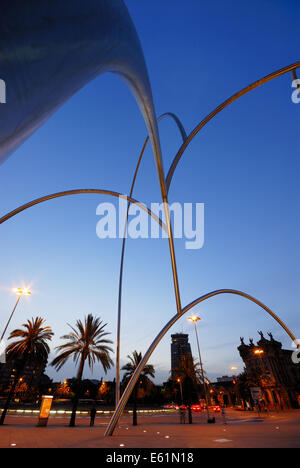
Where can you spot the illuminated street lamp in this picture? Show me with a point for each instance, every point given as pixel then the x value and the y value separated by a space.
pixel 259 352
pixel 234 368
pixel 195 319
pixel 20 292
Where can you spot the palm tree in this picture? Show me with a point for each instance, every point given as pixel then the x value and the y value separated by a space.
pixel 31 346
pixel 130 368
pixel 85 342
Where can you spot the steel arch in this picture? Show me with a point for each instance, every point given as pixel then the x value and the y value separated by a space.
pixel 184 137
pixel 66 193
pixel 218 109
pixel 130 386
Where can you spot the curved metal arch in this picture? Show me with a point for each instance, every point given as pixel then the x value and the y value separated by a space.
pixel 184 137
pixel 161 117
pixel 177 121
pixel 218 109
pixel 130 386
pixel 66 193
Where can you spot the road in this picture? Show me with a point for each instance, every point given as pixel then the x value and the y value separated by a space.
pixel 243 430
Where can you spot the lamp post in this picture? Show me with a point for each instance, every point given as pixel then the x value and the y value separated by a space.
pixel 259 353
pixel 195 319
pixel 235 383
pixel 180 385
pixel 20 292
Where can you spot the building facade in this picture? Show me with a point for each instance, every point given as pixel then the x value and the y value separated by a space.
pixel 279 377
pixel 223 391
pixel 180 352
pixel 31 374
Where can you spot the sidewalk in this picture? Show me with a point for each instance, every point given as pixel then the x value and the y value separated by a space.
pixel 154 432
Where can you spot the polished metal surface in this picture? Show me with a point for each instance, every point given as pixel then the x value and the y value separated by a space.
pixel 186 141
pixel 50 50
pixel 48 54
pixel 98 37
pixel 124 399
pixel 67 193
pixel 218 109
pixel 118 351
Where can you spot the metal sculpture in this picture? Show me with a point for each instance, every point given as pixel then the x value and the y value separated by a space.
pixel 98 37
pixel 67 193
pixel 186 141
pixel 221 107
pixel 184 137
pixel 50 50
pixel 131 384
pixel 48 55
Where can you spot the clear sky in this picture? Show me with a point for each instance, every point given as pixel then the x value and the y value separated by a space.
pixel 244 166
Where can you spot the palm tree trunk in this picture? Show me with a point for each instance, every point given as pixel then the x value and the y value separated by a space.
pixel 77 392
pixel 134 421
pixel 12 391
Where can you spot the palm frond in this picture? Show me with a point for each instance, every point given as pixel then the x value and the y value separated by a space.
pixel 32 342
pixel 86 340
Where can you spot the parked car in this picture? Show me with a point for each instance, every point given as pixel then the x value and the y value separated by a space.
pixel 196 408
pixel 216 409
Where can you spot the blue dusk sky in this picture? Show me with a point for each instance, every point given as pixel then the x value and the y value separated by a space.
pixel 244 166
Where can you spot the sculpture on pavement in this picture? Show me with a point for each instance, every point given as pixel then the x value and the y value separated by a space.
pixel 47 55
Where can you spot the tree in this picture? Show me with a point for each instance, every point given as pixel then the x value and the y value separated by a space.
pixel 248 379
pixel 189 378
pixel 86 342
pixel 130 368
pixel 63 390
pixel 103 390
pixel 31 346
pixel 189 381
pixel 21 389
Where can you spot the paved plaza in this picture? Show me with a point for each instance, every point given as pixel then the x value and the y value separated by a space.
pixel 242 430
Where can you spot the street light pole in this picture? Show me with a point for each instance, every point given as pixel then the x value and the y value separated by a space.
pixel 195 320
pixel 259 352
pixel 20 292
pixel 180 384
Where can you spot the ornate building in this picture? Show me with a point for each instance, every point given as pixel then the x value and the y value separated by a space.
pixel 278 377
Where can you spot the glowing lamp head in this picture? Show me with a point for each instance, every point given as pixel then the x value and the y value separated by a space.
pixel 22 291
pixel 194 318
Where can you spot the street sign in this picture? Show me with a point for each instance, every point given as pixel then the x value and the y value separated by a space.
pixel 256 393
